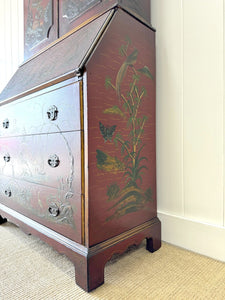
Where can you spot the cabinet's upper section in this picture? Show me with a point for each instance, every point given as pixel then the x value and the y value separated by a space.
pixel 63 59
pixel 47 20
pixel 66 56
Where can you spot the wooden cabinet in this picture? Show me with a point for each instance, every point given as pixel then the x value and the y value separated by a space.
pixel 74 12
pixel 40 25
pixel 77 150
pixel 47 20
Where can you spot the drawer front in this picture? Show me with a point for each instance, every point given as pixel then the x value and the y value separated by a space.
pixel 53 160
pixel 51 110
pixel 53 208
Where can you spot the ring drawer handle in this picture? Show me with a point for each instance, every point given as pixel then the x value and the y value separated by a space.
pixel 8 192
pixel 53 161
pixel 5 123
pixel 52 113
pixel 6 157
pixel 53 210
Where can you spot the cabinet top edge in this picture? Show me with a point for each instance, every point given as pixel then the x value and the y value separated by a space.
pixel 56 81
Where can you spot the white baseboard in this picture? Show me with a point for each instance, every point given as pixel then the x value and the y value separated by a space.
pixel 205 239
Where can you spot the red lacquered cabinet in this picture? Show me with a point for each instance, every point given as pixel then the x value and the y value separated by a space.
pixel 47 20
pixel 77 141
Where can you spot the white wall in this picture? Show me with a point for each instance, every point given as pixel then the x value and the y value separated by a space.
pixel 190 123
pixel 11 33
pixel 190 115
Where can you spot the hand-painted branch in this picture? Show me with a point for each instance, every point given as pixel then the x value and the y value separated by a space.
pixel 141 128
pixel 122 96
pixel 142 94
pixel 132 88
pixel 125 146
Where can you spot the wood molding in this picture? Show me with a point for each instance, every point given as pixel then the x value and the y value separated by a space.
pixel 194 235
pixel 123 236
pixel 68 243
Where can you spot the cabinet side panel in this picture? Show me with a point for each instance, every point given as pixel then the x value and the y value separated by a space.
pixel 121 129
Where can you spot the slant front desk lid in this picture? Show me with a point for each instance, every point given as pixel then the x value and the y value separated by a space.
pixel 67 55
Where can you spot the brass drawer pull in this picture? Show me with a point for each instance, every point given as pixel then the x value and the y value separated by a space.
pixel 8 192
pixel 52 113
pixel 6 157
pixel 53 210
pixel 5 123
pixel 53 161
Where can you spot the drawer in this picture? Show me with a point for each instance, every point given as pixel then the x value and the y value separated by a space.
pixel 52 110
pixel 50 207
pixel 53 160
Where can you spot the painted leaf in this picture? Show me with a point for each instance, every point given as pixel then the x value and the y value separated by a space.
pixel 114 110
pixel 108 163
pixel 113 191
pixel 143 92
pixel 127 39
pixel 145 71
pixel 128 194
pixel 120 75
pixel 130 60
pixel 107 82
pixel 136 77
pixel 122 50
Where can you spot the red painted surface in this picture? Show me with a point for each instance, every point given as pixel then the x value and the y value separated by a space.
pixel 106 62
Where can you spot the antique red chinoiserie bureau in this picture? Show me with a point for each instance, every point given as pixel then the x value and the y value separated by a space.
pixel 77 132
